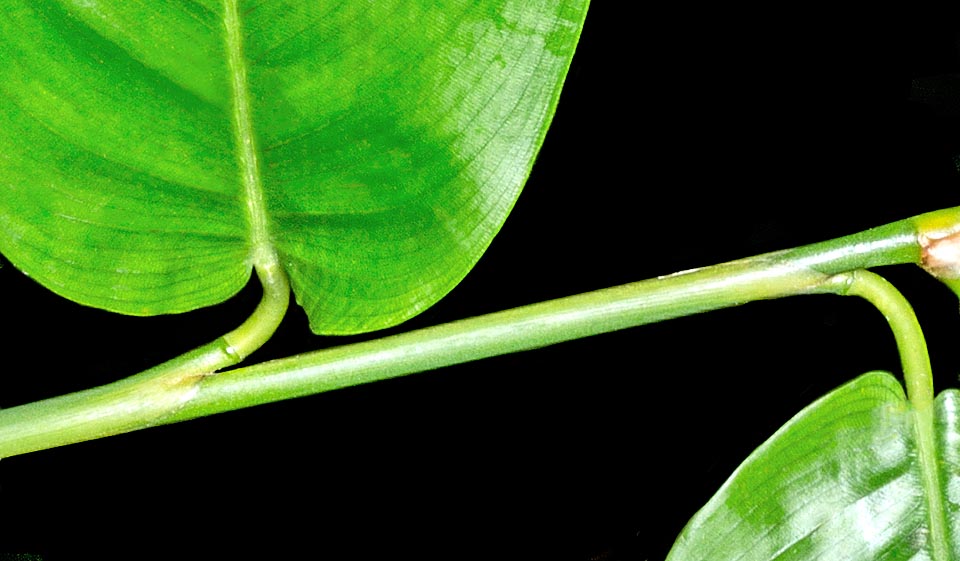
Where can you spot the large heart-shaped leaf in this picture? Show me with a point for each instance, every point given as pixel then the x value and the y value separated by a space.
pixel 151 152
pixel 842 480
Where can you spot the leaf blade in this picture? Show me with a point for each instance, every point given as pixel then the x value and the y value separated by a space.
pixel 841 480
pixel 394 139
pixel 408 168
pixel 78 176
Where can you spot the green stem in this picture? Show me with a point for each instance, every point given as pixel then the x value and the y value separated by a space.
pixel 906 330
pixel 145 399
pixel 809 269
pixel 919 381
pixel 184 387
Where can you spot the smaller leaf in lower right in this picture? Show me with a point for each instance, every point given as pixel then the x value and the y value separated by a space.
pixel 841 480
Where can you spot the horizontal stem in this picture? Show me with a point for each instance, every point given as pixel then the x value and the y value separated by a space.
pixel 185 387
pixel 803 270
pixel 142 400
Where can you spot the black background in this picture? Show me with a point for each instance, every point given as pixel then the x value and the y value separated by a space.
pixel 684 138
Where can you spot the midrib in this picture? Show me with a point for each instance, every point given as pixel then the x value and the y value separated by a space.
pixel 932 486
pixel 262 251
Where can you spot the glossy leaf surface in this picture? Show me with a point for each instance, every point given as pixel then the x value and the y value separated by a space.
pixel 150 150
pixel 841 480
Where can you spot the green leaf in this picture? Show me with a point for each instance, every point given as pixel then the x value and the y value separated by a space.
pixel 844 480
pixel 152 152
